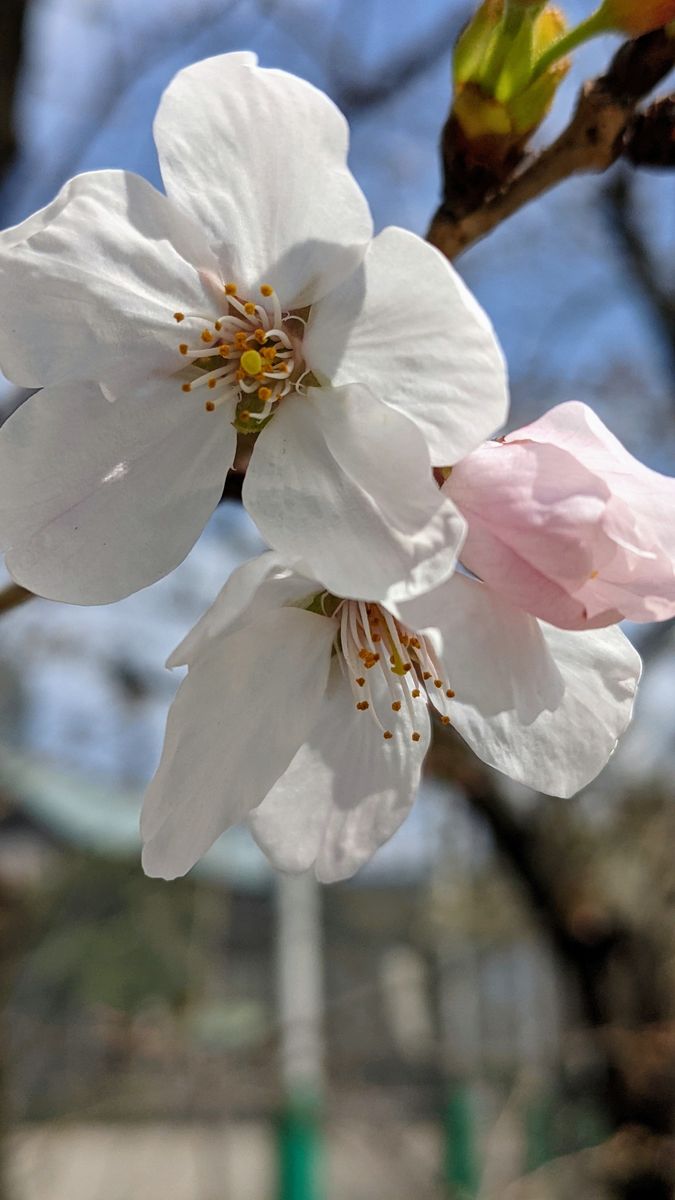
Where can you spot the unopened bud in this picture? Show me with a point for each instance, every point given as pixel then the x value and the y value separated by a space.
pixel 499 101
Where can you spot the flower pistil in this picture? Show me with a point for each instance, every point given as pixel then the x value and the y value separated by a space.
pixel 247 355
pixel 371 639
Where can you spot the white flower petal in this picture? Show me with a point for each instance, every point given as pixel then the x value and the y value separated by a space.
pixel 253 588
pixel 347 789
pixel 407 326
pixel 236 723
pixel 89 285
pixel 545 706
pixel 340 484
pixel 259 157
pixel 101 498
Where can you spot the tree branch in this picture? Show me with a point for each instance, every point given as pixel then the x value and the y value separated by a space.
pixel 599 132
pixel 12 596
pixel 638 257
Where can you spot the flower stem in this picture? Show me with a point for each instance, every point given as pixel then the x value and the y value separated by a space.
pixel 595 24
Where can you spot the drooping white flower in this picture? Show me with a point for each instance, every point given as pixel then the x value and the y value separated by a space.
pixel 250 298
pixel 308 714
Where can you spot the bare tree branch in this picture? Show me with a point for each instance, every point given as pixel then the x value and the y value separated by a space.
pixel 639 259
pixel 12 13
pixel 651 142
pixel 594 139
pixel 12 596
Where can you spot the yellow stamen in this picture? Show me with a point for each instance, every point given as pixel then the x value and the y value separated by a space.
pixel 210 406
pixel 183 347
pixel 264 393
pixel 266 290
pixel 179 316
pixel 207 336
pixel 230 289
pixel 187 387
pixel 249 308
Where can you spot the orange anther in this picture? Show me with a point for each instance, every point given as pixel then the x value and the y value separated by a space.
pixel 445 720
pixel 361 681
pixel 260 335
pixel 210 406
pixel 438 683
pixel 179 316
pixel 224 350
pixel 449 693
pixel 396 706
pixel 245 415
pixel 217 324
pixel 416 736
pixel 363 705
pixel 240 375
pixel 426 675
pixel 183 347
pixel 416 693
pixel 187 387
pixel 207 336
pixel 264 393
pixel 240 338
pixel 387 735
pixel 249 308
pixel 230 289
pixel 266 290
pixel 211 383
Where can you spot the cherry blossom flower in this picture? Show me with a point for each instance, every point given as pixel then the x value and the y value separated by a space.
pixel 308 714
pixel 250 299
pixel 566 524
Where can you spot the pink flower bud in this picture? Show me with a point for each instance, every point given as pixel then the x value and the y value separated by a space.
pixel 567 525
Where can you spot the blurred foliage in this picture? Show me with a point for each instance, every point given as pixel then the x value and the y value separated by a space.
pixel 101 933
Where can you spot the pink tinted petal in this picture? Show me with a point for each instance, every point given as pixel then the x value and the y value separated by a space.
pixel 640 517
pixel 567 525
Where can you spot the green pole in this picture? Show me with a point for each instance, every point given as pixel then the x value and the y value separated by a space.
pixel 300 1151
pixel 460 1165
pixel 301 1051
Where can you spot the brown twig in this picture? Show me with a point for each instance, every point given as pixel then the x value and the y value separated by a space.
pixel 12 596
pixel 597 135
pixel 640 259
pixel 651 142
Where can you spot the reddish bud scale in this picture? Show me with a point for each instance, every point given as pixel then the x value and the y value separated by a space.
pixel 636 17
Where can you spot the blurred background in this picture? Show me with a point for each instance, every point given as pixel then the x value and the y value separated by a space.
pixel 488 1009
